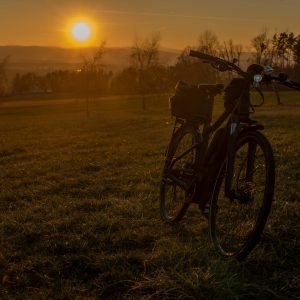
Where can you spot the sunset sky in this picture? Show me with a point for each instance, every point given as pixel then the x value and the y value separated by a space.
pixel 48 22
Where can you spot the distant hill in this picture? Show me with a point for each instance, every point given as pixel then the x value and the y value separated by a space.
pixel 44 59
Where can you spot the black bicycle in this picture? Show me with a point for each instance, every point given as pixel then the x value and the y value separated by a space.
pixel 228 170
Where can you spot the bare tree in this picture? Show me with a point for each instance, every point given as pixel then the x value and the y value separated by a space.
pixel 90 67
pixel 3 78
pixel 231 51
pixel 208 42
pixel 284 45
pixel 296 50
pixel 261 45
pixel 145 56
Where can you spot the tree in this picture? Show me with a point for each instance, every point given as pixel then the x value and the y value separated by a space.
pixel 230 51
pixel 145 58
pixel 296 50
pixel 3 78
pixel 125 82
pixel 26 83
pixel 192 69
pixel 91 68
pixel 284 45
pixel 261 44
pixel 208 42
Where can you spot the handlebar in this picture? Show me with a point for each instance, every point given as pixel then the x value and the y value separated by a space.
pixel 295 84
pixel 224 65
pixel 218 63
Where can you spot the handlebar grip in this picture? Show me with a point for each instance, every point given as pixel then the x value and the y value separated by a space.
pixel 283 80
pixel 295 84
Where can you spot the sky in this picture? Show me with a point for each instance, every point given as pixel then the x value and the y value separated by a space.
pixel 47 22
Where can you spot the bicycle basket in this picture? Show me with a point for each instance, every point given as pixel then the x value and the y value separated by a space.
pixel 192 102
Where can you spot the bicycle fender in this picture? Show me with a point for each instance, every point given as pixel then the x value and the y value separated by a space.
pixel 252 127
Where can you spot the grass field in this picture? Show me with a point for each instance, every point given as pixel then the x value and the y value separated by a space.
pixel 79 214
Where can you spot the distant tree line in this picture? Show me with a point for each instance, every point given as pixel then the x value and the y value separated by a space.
pixel 3 78
pixel 147 74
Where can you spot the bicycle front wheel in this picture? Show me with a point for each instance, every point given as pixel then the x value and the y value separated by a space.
pixel 179 174
pixel 237 222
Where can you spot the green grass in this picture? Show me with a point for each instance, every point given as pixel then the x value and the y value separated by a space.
pixel 79 211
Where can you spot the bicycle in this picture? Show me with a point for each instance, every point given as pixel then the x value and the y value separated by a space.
pixel 228 169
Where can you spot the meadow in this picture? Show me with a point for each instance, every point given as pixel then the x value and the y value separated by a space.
pixel 79 216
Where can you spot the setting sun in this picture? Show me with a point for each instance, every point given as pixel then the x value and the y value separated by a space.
pixel 81 31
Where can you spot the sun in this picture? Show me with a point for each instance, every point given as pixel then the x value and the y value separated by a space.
pixel 81 31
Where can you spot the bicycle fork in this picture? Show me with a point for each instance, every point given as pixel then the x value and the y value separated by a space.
pixel 235 128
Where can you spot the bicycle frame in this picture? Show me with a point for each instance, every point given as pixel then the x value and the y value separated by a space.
pixel 210 157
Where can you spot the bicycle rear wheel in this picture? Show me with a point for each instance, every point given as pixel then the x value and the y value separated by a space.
pixel 237 222
pixel 179 174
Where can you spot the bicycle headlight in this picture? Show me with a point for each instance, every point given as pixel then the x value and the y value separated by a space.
pixel 257 78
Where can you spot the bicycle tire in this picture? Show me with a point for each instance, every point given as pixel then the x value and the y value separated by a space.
pixel 181 140
pixel 227 216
